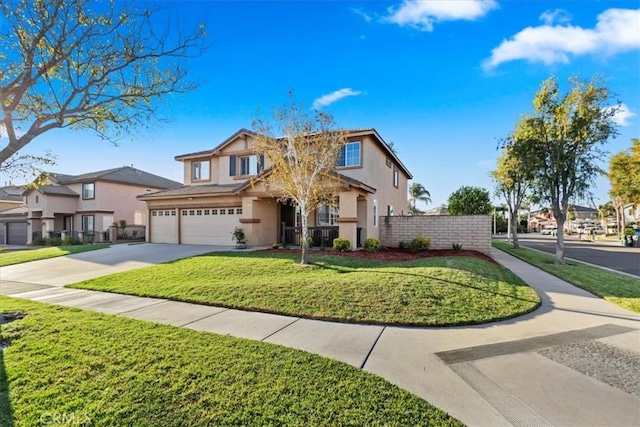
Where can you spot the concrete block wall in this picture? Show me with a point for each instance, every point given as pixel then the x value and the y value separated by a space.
pixel 473 231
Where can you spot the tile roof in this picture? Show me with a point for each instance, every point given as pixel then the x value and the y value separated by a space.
pixel 57 190
pixel 11 194
pixel 124 174
pixel 192 190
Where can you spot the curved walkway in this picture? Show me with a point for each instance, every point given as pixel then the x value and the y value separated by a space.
pixel 573 361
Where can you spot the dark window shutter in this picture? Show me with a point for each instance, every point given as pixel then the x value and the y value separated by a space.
pixel 232 166
pixel 260 163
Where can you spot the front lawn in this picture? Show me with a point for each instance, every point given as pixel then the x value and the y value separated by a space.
pixel 28 255
pixel 616 288
pixel 429 292
pixel 94 369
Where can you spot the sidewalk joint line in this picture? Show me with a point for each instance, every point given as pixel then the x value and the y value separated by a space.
pixel 139 308
pixel 204 317
pixel 284 327
pixel 366 358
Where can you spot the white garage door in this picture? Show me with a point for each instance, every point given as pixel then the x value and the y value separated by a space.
pixel 163 226
pixel 209 226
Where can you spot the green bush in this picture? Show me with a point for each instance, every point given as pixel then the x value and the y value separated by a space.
pixel 341 244
pixel 309 240
pixel 420 244
pixel 372 244
pixel 40 241
pixel 54 241
pixel 71 240
pixel 457 246
pixel 402 244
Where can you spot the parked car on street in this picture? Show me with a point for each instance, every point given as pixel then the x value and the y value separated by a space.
pixel 551 231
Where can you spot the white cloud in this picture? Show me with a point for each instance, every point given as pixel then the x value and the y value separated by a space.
pixel 332 97
pixel 361 13
pixel 556 16
pixel 616 31
pixel 422 14
pixel 623 116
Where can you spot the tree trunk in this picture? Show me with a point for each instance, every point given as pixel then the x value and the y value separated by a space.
pixel 560 241
pixel 514 229
pixel 304 244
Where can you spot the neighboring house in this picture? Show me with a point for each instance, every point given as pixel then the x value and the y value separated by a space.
pixel 542 218
pixel 222 191
pixel 90 202
pixel 440 210
pixel 631 214
pixel 13 216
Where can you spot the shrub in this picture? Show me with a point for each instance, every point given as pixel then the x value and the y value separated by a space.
pixel 40 241
pixel 420 244
pixel 402 244
pixel 54 241
pixel 372 244
pixel 275 245
pixel 71 240
pixel 341 244
pixel 309 240
pixel 457 246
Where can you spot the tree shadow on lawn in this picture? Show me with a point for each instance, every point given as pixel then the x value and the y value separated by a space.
pixel 441 280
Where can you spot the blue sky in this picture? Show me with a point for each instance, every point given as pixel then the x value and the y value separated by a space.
pixel 442 80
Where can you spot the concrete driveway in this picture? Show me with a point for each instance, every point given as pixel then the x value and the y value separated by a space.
pixel 89 265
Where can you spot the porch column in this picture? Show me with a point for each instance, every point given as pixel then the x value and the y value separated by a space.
pixel 348 217
pixel 47 225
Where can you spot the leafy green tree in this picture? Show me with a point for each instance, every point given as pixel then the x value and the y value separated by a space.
pixel 417 192
pixel 86 64
pixel 470 201
pixel 604 212
pixel 624 175
pixel 562 143
pixel 513 181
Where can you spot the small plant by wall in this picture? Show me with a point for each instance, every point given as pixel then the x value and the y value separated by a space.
pixel 372 244
pixel 456 246
pixel 341 244
pixel 420 244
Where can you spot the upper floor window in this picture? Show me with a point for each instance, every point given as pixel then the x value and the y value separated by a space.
pixel 349 154
pixel 37 199
pixel 327 215
pixel 89 190
pixel 200 171
pixel 396 177
pixel 249 165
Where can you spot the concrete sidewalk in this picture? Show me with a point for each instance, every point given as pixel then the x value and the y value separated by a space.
pixel 574 361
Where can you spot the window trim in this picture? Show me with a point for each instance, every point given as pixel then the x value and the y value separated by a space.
pixel 333 215
pixel 193 164
pixel 344 147
pixel 93 223
pixel 249 157
pixel 84 191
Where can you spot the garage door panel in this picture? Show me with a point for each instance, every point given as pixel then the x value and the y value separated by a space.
pixel 208 226
pixel 17 233
pixel 163 226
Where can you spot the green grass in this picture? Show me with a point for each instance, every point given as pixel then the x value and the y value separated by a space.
pixel 616 288
pixel 113 371
pixel 28 255
pixel 428 292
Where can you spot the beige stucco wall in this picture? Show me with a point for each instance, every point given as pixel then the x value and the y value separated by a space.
pixel 473 231
pixel 375 173
pixel 264 210
pixel 119 198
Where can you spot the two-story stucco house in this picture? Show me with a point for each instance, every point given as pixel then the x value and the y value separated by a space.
pixel 90 202
pixel 223 190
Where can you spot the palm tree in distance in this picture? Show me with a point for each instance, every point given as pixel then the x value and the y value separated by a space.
pixel 418 192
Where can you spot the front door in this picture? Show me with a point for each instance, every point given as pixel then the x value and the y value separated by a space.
pixel 68 223
pixel 287 219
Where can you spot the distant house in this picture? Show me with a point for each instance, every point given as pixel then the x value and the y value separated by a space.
pixel 13 216
pixel 440 210
pixel 631 214
pixel 542 218
pixel 89 203
pixel 224 189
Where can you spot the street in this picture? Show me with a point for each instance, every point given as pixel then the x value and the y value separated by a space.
pixel 608 254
